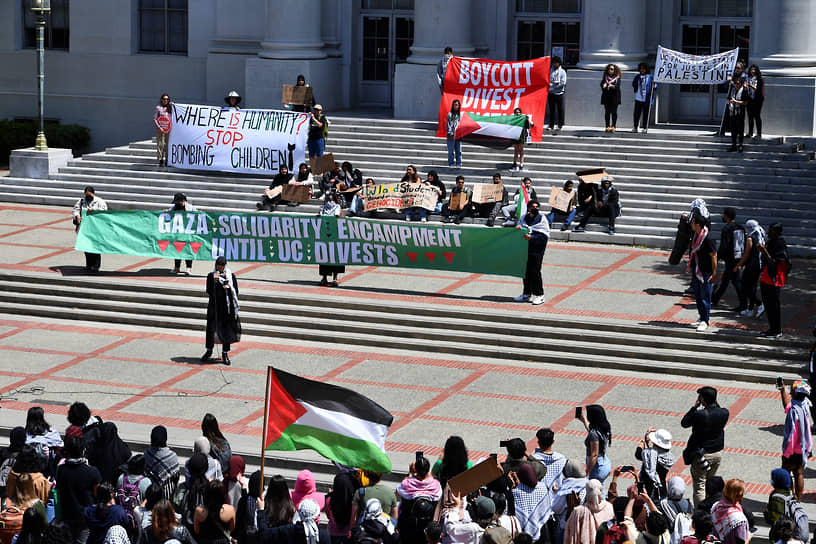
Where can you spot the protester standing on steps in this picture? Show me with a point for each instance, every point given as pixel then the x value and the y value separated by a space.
pixel 751 265
pixel 301 82
pixel 737 101
pixel 703 452
pixel 642 84
pixel 732 247
pixel 756 97
pixel 797 441
pixel 316 141
pixel 233 99
pixel 537 238
pixel 518 147
pixel 773 277
pixel 223 323
pixel 611 95
pixel 162 121
pixel 454 145
pixel 555 98
pixel 442 68
pixel 85 206
pixel 703 266
pixel 180 205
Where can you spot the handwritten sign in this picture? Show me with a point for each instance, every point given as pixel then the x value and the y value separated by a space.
pixel 296 193
pixel 298 95
pixel 487 193
pixel 399 196
pixel 560 199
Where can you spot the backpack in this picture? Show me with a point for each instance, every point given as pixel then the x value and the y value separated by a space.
pixel 616 534
pixel 682 528
pixel 128 497
pixel 796 513
pixel 360 536
pixel 415 516
pixel 11 523
pixel 5 468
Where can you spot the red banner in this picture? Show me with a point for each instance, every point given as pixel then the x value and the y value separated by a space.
pixel 490 87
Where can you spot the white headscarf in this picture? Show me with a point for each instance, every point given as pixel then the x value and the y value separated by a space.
pixel 374 511
pixel 232 296
pixel 751 227
pixel 308 510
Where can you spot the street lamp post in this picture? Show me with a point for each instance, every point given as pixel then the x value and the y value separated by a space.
pixel 40 9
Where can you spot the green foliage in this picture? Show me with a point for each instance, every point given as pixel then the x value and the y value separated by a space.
pixel 19 134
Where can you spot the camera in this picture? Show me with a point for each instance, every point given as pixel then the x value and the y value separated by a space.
pixel 504 443
pixel 700 458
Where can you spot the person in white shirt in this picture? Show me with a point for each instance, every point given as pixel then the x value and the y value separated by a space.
pixel 84 206
pixel 538 235
pixel 555 98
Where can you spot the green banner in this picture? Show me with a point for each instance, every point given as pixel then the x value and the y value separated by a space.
pixel 304 239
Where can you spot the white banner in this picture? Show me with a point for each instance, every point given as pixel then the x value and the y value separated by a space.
pixel 230 140
pixel 676 67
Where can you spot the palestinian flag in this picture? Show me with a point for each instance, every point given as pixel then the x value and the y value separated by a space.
pixel 523 198
pixel 496 131
pixel 338 423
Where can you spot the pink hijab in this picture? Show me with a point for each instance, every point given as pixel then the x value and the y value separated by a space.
pixel 584 521
pixel 305 489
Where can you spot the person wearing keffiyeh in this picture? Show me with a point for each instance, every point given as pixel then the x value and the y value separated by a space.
pixel 161 463
pixel 797 443
pixel 703 266
pixel 730 522
pixel 223 323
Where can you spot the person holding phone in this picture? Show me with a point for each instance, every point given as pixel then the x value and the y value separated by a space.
pixel 419 494
pixel 597 442
pixel 703 453
pixel 797 442
pixel 223 324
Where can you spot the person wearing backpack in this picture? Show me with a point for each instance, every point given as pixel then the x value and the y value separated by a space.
pixel 702 530
pixel 133 476
pixel 8 456
pixel 419 494
pixel 732 247
pixel 782 505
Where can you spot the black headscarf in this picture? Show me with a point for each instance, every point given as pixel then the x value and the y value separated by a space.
pixel 109 453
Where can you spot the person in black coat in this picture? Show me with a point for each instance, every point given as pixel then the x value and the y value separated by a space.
pixel 222 310
pixel 611 95
pixel 280 179
pixel 305 531
pixel 606 202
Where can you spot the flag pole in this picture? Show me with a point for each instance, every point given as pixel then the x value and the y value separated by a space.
pixel 263 430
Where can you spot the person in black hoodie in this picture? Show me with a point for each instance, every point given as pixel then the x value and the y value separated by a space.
pixel 773 278
pixel 281 178
pixel 80 416
pixel 110 453
pixel 732 246
pixel 76 481
pixel 606 202
pixel 104 514
pixel 703 453
pixel 305 531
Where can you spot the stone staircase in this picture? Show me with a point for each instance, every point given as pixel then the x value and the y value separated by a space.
pixel 658 175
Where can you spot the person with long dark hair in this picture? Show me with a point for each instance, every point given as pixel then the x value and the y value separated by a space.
pixel 162 119
pixel 57 532
pixel 611 95
pixel 756 97
pixel 220 449
pixel 773 278
pixel 454 460
pixel 39 433
pixel 597 442
pixel 110 453
pixel 338 507
pixel 195 484
pixel 34 524
pixel 104 514
pixel 246 523
pixel 164 526
pixel 454 145
pixel 279 509
pixel 215 518
pixel 433 179
pixel 26 480
pixel 419 494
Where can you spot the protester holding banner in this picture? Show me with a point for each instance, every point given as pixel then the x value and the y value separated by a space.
pixel 83 206
pixel 737 101
pixel 454 145
pixel 570 209
pixel 642 84
pixel 459 205
pixel 317 132
pixel 162 120
pixel 411 175
pixel 537 235
pixel 555 98
pixel 331 207
pixel 756 93
pixel 509 211
pixel 223 323
pixel 233 99
pixel 357 208
pixel 518 147
pixel 611 95
pixel 415 213
pixel 180 205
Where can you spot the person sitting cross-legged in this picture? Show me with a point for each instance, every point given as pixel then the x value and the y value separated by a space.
pixel 607 203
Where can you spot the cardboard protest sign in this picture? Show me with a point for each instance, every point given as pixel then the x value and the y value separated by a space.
pixel 484 193
pixel 321 165
pixel 295 193
pixel 237 141
pixel 676 67
pixel 458 201
pixel 560 199
pixel 593 175
pixel 399 196
pixel 272 193
pixel 303 239
pixel 472 479
pixel 297 95
pixel 491 87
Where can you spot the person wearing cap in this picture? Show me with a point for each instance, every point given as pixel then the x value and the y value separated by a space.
pixel 797 441
pixel 223 323
pixel 607 203
pixel 180 205
pixel 89 203
pixel 782 483
pixel 318 127
pixel 460 528
pixel 233 99
pixel 707 421
pixel 654 452
pixel 517 456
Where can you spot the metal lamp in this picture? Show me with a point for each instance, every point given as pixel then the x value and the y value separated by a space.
pixel 40 8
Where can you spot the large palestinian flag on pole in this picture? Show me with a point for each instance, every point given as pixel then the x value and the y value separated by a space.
pixel 495 131
pixel 338 423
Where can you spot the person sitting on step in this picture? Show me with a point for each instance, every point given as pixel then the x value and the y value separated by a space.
pixel 458 207
pixel 281 178
pixel 607 203
pixel 491 209
pixel 569 213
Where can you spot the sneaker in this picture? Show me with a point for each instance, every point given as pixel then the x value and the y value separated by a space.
pixel 188 271
pixel 457 221
pixel 514 167
pixel 522 298
pixel 564 227
pixel 635 130
pixel 579 229
pixel 702 326
pixel 490 222
pixel 759 311
pixel 747 312
pixel 769 334
pixel 537 300
pixel 509 223
pixel 612 231
pixel 521 166
pixel 259 205
pixel 549 129
pixel 175 271
pixel 424 220
pixel 695 324
pixel 644 130
pixel 560 127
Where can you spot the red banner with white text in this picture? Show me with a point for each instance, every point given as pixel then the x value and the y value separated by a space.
pixel 491 87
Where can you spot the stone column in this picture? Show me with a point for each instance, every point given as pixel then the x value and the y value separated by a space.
pixel 436 25
pixel 329 27
pixel 613 31
pixel 784 37
pixel 294 32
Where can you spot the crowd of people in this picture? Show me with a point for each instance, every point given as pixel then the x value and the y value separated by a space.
pixel 85 486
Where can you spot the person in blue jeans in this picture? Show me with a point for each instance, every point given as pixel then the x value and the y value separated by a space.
pixel 599 437
pixel 703 267
pixel 454 145
pixel 569 215
pixel 316 141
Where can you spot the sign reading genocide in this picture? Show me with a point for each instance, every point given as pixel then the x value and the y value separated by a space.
pixel 484 193
pixel 230 140
pixel 399 196
pixel 304 239
pixel 491 87
pixel 676 67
